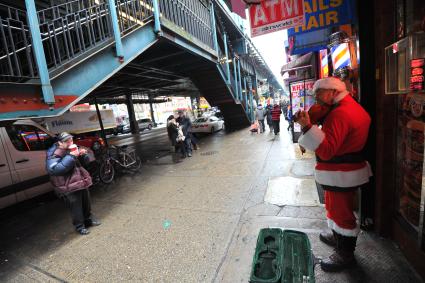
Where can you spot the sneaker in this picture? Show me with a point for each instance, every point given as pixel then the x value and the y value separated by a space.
pixel 92 222
pixel 189 154
pixel 83 231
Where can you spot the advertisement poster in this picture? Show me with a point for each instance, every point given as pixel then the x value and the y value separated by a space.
pixel 301 97
pixel 320 14
pixel 271 16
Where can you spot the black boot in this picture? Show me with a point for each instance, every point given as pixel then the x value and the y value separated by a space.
pixel 328 238
pixel 343 257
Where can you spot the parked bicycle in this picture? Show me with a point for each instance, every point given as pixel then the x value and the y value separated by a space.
pixel 118 158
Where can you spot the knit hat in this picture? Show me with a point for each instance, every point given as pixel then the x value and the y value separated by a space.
pixel 329 83
pixel 64 136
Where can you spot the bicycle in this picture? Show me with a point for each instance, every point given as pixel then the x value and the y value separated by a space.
pixel 117 158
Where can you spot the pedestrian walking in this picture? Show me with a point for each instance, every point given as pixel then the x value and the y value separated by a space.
pixel 71 181
pixel 276 112
pixel 289 118
pixel 259 116
pixel 340 167
pixel 186 124
pixel 175 135
pixel 269 109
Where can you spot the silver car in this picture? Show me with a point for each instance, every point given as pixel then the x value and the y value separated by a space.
pixel 145 124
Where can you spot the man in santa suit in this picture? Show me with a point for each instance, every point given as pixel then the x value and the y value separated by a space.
pixel 340 167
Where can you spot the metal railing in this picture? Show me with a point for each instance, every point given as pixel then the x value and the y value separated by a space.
pixel 16 56
pixel 193 16
pixel 72 28
pixel 133 13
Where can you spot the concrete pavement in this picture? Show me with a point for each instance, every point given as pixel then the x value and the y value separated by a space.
pixel 190 221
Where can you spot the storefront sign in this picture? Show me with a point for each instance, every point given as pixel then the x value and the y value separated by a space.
pixel 324 13
pixel 417 74
pixel 275 15
pixel 301 97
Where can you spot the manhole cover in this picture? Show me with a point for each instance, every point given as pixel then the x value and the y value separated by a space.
pixel 209 153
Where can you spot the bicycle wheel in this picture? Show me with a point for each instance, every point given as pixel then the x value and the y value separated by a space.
pixel 137 165
pixel 106 171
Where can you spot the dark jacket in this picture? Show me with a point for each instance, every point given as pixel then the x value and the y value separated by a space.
pixel 269 114
pixel 66 173
pixel 173 132
pixel 186 125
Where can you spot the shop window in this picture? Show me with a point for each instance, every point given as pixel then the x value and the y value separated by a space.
pixel 29 138
pixel 398 63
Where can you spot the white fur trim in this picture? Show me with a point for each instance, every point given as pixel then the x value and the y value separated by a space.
pixel 329 83
pixel 312 138
pixel 342 231
pixel 344 179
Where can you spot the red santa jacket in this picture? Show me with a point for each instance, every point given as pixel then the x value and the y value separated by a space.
pixel 344 133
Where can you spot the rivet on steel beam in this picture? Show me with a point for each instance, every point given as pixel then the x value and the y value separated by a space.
pixel 2 100
pixel 60 99
pixel 15 100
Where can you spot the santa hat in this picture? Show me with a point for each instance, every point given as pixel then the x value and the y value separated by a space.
pixel 330 83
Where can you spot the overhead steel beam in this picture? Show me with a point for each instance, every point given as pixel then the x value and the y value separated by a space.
pixel 163 57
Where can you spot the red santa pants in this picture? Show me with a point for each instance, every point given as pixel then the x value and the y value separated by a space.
pixel 339 211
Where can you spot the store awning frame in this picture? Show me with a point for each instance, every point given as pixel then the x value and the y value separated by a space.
pixel 302 62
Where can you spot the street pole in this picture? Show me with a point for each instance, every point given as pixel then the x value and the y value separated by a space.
pixel 99 117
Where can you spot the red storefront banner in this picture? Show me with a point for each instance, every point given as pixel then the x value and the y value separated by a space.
pixel 274 15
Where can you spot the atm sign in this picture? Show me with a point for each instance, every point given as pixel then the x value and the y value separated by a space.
pixel 274 15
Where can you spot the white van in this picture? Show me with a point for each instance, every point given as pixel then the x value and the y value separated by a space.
pixel 23 146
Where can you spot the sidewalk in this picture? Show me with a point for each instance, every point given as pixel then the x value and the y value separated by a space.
pixel 192 221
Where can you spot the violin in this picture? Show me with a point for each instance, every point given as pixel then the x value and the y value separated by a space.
pixel 318 112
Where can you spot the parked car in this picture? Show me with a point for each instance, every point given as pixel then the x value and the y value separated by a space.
pixel 145 124
pixel 207 125
pixel 217 114
pixel 90 140
pixel 126 129
pixel 120 128
pixel 23 146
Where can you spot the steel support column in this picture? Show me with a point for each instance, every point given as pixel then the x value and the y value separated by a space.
pixel 245 96
pixel 251 98
pixel 227 58
pixel 99 117
pixel 236 78
pixel 256 87
pixel 156 15
pixel 134 126
pixel 40 57
pixel 239 81
pixel 116 28
pixel 152 112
